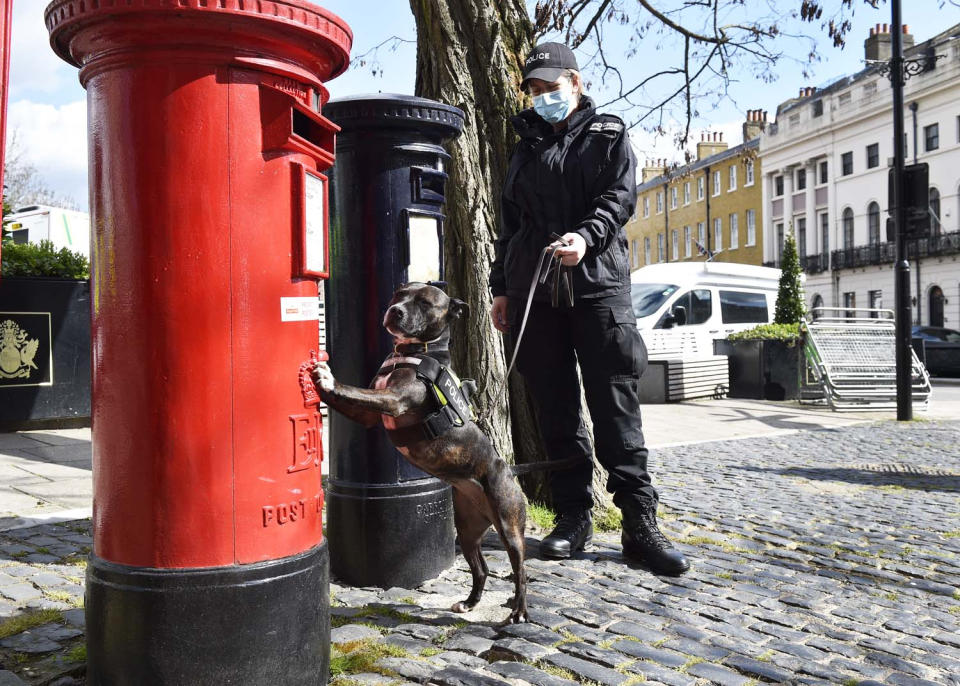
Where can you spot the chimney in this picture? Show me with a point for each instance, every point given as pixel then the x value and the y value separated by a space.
pixel 711 146
pixel 879 44
pixel 652 169
pixel 755 124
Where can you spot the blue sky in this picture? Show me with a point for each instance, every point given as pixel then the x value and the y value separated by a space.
pixel 47 108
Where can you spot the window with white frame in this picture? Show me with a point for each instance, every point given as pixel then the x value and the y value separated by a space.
pixel 687 243
pixel 635 253
pixel 675 244
pixel 673 198
pixel 646 250
pixel 748 181
pixel 734 231
pixel 660 202
pixel 732 186
pixel 716 182
pixel 646 206
pixel 702 234
pixel 717 234
pixel 751 227
pixel 686 193
pixel 659 247
pixel 700 184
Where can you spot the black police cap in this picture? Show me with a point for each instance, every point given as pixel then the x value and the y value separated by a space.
pixel 547 62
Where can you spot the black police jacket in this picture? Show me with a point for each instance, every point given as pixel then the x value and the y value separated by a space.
pixel 583 180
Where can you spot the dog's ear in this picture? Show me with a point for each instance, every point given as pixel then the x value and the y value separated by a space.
pixel 457 309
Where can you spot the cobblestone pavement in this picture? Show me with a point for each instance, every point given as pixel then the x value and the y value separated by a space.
pixel 819 557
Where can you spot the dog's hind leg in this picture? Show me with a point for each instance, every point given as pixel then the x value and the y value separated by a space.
pixel 510 519
pixel 471 525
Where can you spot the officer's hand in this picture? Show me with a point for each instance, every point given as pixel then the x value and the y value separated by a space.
pixel 498 313
pixel 323 377
pixel 573 252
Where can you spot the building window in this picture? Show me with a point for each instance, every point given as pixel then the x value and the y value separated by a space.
pixel 846 163
pixel 849 303
pixel 794 119
pixel 876 303
pixel 779 231
pixel 847 229
pixel 716 182
pixel 673 198
pixel 686 193
pixel 734 231
pixel 935 210
pixel 931 137
pixel 958 129
pixel 635 253
pixel 733 178
pixel 749 174
pixel 870 89
pixel 717 234
pixel 751 227
pixel 777 186
pixel 824 233
pixel 844 99
pixel 802 236
pixel 660 202
pixel 818 108
pixel 675 243
pixel 646 206
pixel 700 184
pixel 822 168
pixel 873 155
pixel 646 250
pixel 702 235
pixel 873 224
pixel 687 242
pixel 659 247
pixel 801 179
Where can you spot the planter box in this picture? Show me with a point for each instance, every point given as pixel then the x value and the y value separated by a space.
pixel 44 353
pixel 762 369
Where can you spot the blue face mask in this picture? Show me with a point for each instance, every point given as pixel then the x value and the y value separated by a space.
pixel 555 106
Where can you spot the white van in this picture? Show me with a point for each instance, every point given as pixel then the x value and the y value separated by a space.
pixel 682 307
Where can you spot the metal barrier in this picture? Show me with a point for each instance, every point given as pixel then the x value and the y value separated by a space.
pixel 850 355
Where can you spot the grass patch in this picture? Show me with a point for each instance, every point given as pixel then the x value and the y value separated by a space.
pixel 851 682
pixel 358 657
pixel 28 620
pixel 690 663
pixel 430 652
pixel 956 595
pixel 78 653
pixel 541 515
pixel 608 519
pixel 955 610
pixel 952 534
pixel 724 575
pixel 64 597
pixel 19 555
pixel 567 638
pixel 765 656
pixel 706 540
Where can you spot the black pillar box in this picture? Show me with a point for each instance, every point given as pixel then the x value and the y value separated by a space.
pixel 388 523
pixel 44 353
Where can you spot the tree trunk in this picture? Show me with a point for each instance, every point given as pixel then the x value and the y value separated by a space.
pixel 469 54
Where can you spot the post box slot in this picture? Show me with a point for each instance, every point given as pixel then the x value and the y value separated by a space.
pixel 428 185
pixel 309 129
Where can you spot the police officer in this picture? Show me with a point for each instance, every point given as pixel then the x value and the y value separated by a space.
pixel 572 174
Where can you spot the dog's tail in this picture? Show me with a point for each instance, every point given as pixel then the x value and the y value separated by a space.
pixel 551 465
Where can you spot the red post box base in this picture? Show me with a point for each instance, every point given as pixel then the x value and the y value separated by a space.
pixel 244 625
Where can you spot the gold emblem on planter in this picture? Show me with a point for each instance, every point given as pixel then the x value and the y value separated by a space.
pixel 17 351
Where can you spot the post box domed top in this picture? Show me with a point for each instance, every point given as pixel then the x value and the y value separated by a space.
pixel 299 24
pixel 390 111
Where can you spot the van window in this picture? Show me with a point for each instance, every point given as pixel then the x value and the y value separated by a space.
pixel 648 297
pixel 738 307
pixel 697 304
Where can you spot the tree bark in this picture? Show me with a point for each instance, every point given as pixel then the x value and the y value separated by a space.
pixel 470 55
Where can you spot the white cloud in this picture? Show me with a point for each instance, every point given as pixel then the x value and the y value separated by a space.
pixel 34 68
pixel 54 140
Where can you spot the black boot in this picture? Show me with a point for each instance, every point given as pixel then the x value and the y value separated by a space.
pixel 643 541
pixel 573 531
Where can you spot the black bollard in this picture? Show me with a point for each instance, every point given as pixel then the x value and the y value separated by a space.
pixel 388 523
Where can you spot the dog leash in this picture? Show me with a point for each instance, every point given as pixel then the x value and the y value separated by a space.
pixel 549 263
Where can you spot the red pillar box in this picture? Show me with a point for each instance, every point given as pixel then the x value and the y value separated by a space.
pixel 208 209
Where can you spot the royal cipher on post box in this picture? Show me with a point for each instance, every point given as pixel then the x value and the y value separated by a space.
pixel 207 147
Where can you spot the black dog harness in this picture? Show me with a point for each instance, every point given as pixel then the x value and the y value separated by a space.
pixel 451 397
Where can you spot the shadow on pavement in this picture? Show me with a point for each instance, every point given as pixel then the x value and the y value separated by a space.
pixel 896 476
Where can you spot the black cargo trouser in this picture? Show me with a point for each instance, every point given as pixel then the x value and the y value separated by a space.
pixel 601 334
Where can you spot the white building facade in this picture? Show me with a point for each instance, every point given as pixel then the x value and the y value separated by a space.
pixel 826 162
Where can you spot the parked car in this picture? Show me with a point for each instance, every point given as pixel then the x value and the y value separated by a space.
pixel 681 308
pixel 942 348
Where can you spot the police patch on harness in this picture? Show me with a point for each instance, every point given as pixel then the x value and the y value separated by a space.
pixel 611 126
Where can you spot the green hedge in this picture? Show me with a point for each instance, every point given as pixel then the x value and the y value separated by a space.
pixel 32 259
pixel 777 332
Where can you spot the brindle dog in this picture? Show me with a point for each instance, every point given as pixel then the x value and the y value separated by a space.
pixel 484 489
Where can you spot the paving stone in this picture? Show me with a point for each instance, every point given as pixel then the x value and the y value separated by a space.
pixel 475 645
pixel 56 632
pixel 526 673
pixel 422 631
pixel 415 670
pixel 691 647
pixel 411 645
pixel 20 593
pixel 517 649
pixel 532 632
pixel 907 680
pixel 589 671
pixel 463 659
pixel 352 632
pixel 642 651
pixel 637 631
pixel 658 674
pixel 8 678
pixel 603 656
pixel 458 676
pixel 717 674
pixel 887 647
pixel 757 668
pixel 29 642
pixel 894 662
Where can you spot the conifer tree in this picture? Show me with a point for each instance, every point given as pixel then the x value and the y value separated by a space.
pixel 790 307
